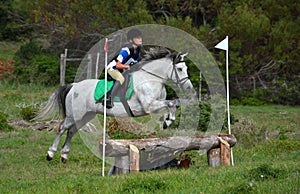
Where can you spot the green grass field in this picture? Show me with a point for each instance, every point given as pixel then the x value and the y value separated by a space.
pixel 266 157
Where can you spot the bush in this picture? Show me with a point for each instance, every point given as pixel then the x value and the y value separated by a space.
pixel 45 70
pixel 4 126
pixel 28 112
pixel 252 101
pixel 35 65
pixel 205 116
pixel 290 93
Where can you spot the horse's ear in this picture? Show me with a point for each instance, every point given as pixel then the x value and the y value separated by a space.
pixel 176 58
pixel 184 54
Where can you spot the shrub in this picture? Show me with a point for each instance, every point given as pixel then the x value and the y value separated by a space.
pixel 4 126
pixel 205 116
pixel 28 112
pixel 36 65
pixel 252 101
pixel 45 70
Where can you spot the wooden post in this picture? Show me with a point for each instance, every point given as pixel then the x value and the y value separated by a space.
pixel 134 159
pixel 122 165
pixel 62 69
pixel 213 157
pixel 220 155
pixel 97 66
pixel 225 152
pixel 89 68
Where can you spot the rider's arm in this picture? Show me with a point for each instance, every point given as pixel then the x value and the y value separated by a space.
pixel 119 65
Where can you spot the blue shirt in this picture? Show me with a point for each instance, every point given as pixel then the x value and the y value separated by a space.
pixel 128 55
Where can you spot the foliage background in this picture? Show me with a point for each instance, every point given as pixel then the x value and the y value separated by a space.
pixel 264 55
pixel 263 36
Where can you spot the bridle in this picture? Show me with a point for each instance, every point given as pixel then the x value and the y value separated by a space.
pixel 179 82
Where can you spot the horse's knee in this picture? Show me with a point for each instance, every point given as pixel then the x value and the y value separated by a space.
pixel 177 103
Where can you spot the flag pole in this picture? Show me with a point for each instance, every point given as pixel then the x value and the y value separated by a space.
pixel 223 45
pixel 104 112
pixel 228 108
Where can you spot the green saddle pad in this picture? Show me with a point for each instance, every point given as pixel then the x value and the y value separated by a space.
pixel 99 90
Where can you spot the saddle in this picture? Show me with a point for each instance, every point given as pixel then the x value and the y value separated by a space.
pixel 126 91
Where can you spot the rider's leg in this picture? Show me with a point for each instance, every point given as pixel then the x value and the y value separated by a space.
pixel 119 82
pixel 111 94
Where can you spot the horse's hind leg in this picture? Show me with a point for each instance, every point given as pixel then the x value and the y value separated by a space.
pixel 53 147
pixel 66 147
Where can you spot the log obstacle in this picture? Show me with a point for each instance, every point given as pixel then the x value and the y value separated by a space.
pixel 133 155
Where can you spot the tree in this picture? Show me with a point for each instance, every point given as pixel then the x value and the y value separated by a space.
pixel 262 45
pixel 87 20
pixel 13 15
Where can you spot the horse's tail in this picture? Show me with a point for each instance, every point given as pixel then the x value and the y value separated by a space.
pixel 56 100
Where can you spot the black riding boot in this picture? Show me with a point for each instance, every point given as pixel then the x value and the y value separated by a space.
pixel 111 94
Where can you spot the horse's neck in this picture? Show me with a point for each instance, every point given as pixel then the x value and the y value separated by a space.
pixel 159 68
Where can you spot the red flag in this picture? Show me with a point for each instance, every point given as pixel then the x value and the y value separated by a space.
pixel 106 45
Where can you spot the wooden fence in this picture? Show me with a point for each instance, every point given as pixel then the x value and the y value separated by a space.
pixel 63 65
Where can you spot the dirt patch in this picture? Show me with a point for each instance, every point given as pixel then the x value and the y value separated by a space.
pixel 124 125
pixel 41 126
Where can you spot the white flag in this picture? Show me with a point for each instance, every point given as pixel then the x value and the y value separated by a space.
pixel 223 44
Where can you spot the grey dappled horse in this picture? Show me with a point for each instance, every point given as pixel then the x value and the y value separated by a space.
pixel 77 104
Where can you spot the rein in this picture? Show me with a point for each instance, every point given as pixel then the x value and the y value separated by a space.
pixel 178 81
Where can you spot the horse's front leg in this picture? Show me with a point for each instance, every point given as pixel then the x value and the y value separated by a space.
pixel 158 105
pixel 171 116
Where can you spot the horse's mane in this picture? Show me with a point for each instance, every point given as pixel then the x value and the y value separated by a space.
pixel 156 53
pixel 152 54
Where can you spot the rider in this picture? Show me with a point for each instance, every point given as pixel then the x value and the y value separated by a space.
pixel 128 56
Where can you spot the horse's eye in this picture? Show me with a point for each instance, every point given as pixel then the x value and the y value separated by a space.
pixel 179 69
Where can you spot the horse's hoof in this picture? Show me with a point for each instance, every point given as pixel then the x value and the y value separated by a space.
pixel 48 157
pixel 177 102
pixel 63 160
pixel 165 125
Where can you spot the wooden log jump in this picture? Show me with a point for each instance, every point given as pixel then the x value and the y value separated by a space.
pixel 135 154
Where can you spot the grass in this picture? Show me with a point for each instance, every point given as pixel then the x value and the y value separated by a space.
pixel 14 96
pixel 289 116
pixel 271 167
pixel 261 165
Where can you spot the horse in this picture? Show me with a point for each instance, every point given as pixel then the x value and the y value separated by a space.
pixel 77 104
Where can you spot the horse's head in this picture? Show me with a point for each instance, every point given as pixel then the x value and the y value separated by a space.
pixel 179 74
pixel 162 64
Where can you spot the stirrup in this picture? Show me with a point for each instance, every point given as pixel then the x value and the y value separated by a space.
pixel 109 103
